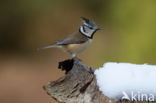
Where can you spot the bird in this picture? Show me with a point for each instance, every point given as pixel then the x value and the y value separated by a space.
pixel 77 41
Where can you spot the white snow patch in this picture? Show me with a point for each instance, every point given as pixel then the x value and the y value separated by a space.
pixel 125 80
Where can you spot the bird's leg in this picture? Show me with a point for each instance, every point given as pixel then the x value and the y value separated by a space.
pixel 73 55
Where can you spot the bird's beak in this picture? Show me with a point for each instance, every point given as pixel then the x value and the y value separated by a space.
pixel 99 28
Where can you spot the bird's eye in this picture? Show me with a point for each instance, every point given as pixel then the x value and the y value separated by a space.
pixel 90 27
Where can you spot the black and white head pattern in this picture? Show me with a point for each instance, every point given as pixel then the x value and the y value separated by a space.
pixel 88 28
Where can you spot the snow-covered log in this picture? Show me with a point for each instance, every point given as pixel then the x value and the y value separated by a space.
pixel 112 83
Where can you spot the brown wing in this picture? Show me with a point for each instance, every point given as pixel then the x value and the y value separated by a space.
pixel 76 38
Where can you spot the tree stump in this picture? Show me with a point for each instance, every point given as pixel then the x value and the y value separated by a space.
pixel 79 85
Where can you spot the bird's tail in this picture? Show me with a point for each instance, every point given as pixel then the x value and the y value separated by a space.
pixel 46 47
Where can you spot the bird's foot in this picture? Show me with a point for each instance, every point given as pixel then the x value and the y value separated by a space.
pixel 76 59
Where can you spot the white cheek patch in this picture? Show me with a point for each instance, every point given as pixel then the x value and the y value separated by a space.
pixel 88 34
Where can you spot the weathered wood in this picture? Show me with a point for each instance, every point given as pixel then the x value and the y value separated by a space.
pixel 78 85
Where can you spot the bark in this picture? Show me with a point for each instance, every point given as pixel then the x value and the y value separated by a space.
pixel 78 85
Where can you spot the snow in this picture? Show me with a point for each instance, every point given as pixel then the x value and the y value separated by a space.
pixel 127 81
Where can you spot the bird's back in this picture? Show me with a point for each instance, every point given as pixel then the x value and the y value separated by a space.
pixel 75 38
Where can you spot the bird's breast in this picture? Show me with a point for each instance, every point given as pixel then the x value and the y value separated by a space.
pixel 76 48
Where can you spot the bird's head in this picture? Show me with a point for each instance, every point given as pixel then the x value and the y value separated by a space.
pixel 88 28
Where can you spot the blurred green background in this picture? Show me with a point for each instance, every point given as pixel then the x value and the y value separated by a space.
pixel 129 35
